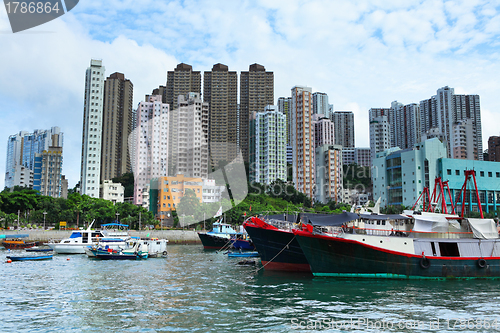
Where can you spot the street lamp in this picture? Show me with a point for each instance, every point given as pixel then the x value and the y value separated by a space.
pixel 117 214
pixel 44 214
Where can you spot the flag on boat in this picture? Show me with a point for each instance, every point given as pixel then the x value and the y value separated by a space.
pixel 219 212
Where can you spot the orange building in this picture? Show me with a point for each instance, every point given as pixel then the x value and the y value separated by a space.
pixel 172 189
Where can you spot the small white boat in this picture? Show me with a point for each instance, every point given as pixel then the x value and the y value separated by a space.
pixel 80 239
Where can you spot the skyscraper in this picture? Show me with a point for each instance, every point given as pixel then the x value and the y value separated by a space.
pixel 151 155
pixel 323 131
pixel 380 130
pixel 23 147
pixel 405 125
pixel 329 173
pixel 92 129
pixel 256 92
pixel 267 146
pixel 190 155
pixel 180 81
pixel 220 90
pixel 320 104
pixel 116 126
pixel 284 106
pixel 344 128
pixel 302 138
pixel 440 113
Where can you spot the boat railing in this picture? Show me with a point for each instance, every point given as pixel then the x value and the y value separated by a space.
pixel 282 225
pixel 407 233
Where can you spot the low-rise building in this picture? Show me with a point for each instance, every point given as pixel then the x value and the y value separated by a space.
pixel 112 191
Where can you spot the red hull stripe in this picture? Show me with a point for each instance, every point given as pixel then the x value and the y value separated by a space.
pixel 343 240
pixel 281 266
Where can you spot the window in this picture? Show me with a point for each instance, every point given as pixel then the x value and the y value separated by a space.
pixel 481 173
pixel 498 174
pixel 490 174
pixel 448 171
pixel 457 172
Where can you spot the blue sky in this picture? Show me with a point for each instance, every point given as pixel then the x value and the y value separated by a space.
pixel 363 54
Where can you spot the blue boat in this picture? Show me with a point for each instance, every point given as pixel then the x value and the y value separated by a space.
pixel 243 254
pixel 28 258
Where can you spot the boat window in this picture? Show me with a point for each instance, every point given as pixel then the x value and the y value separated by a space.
pixel 433 249
pixel 66 241
pixel 378 222
pixel 383 222
pixel 449 249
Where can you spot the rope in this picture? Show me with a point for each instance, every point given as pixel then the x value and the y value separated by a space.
pixel 223 248
pixel 283 249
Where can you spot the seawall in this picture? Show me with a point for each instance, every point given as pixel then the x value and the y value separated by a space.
pixel 173 236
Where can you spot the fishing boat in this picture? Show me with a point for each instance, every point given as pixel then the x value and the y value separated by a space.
pixel 14 242
pixel 424 245
pixel 219 237
pixel 137 250
pixel 80 239
pixel 156 247
pixel 276 243
pixel 29 258
pixel 243 242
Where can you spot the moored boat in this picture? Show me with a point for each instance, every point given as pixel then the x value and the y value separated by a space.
pixel 422 246
pixel 80 239
pixel 29 258
pixel 138 250
pixel 219 237
pixel 15 242
pixel 276 243
pixel 244 254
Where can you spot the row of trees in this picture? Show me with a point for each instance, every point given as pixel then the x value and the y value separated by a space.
pixel 77 210
pixel 276 198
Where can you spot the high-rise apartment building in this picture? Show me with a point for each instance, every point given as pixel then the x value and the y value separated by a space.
pixel 380 130
pixel 464 138
pixel 267 146
pixel 494 148
pixel 189 156
pixel 92 129
pixel 323 130
pixel 117 126
pixel 47 175
pixel 23 147
pixel 329 173
pixel 442 112
pixel 151 154
pixel 180 81
pixel 344 128
pixel 320 104
pixel 256 92
pixel 284 106
pixel 220 90
pixel 468 107
pixel 405 125
pixel 302 138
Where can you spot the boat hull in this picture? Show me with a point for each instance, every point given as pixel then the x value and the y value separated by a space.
pixel 14 245
pixel 274 252
pixel 68 248
pixel 120 256
pixel 213 242
pixel 340 257
pixel 243 244
pixel 29 258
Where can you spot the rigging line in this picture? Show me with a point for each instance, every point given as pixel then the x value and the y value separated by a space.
pixel 283 249
pixel 223 248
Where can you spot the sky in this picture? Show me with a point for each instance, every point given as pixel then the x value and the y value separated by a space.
pixel 362 53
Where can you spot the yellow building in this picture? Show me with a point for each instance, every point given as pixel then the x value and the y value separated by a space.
pixel 172 189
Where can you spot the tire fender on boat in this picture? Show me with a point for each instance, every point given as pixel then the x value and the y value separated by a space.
pixel 164 253
pixel 425 263
pixel 481 263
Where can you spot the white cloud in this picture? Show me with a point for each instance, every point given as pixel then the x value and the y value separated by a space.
pixel 362 53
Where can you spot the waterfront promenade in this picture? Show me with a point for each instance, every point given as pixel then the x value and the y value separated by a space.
pixel 173 236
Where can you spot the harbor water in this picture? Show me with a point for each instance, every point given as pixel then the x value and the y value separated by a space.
pixel 193 290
